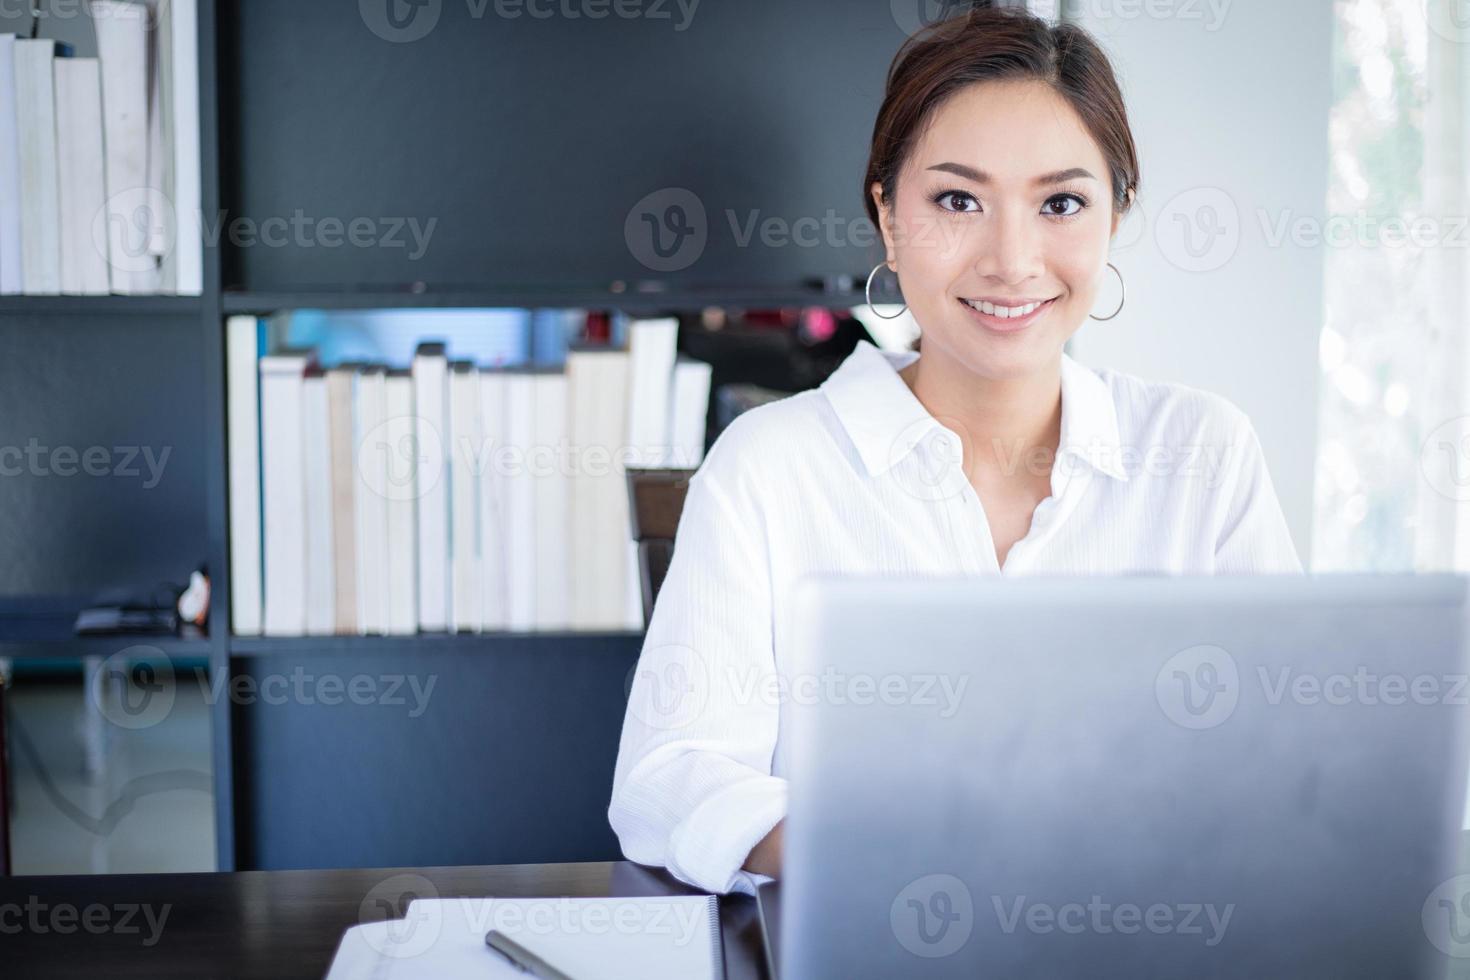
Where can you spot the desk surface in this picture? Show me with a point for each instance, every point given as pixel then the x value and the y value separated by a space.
pixel 280 924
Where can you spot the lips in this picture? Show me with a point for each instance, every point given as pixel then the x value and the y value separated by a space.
pixel 1009 316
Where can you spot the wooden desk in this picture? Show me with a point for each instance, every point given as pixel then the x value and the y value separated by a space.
pixel 281 924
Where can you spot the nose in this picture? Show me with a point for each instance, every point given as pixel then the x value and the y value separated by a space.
pixel 1011 251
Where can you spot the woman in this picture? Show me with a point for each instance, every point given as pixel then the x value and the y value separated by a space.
pixel 1001 166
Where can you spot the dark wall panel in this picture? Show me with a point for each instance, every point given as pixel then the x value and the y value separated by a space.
pixel 101 452
pixel 529 140
pixel 510 761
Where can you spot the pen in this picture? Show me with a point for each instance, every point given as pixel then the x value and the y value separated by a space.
pixel 522 958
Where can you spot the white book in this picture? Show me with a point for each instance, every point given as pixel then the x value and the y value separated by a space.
pixel 690 411
pixel 10 270
pixel 552 483
pixel 81 183
pixel 430 393
pixel 133 213
pixel 521 504
pixel 343 439
pixel 651 937
pixel 600 530
pixel 316 444
pixel 281 377
pixel 242 423
pixel 160 138
pixel 371 500
pixel 40 195
pixel 494 609
pixel 188 172
pixel 403 613
pixel 464 498
pixel 651 350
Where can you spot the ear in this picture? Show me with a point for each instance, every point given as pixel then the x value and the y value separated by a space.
pixel 885 221
pixel 1118 216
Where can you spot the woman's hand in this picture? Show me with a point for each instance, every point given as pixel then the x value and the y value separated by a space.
pixel 765 857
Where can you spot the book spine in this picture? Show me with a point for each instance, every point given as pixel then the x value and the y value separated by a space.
pixel 429 372
pixel 243 432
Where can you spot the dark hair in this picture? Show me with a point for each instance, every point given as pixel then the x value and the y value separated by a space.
pixel 994 43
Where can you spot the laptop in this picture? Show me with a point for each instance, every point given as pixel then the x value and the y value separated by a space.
pixel 1203 777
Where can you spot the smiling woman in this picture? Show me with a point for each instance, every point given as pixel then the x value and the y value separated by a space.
pixel 1002 164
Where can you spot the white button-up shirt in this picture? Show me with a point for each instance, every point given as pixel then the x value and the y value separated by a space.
pixel 856 477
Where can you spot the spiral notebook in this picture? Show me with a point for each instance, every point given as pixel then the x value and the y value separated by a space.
pixel 603 938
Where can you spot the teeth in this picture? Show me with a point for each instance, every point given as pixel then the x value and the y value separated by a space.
pixel 1003 312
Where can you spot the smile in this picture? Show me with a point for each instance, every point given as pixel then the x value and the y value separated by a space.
pixel 1007 317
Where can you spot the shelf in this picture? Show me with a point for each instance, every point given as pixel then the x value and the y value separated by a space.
pixel 51 637
pixel 98 305
pixel 469 643
pixel 533 297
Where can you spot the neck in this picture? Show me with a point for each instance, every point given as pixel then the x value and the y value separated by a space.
pixel 999 421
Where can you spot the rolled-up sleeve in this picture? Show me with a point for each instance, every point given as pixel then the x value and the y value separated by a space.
pixel 1253 538
pixel 692 789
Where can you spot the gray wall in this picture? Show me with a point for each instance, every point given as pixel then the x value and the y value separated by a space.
pixel 1229 104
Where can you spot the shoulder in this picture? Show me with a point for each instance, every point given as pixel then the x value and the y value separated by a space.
pixel 1152 411
pixel 763 443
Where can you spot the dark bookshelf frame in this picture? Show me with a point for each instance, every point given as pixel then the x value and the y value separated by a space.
pixel 248 832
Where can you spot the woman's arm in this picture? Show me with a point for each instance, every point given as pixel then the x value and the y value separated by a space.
pixel 765 857
pixel 693 790
pixel 1253 537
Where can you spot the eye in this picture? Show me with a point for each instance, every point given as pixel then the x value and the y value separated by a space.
pixel 957 201
pixel 1056 206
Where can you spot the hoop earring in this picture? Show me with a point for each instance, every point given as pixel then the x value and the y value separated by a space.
pixel 868 295
pixel 1121 285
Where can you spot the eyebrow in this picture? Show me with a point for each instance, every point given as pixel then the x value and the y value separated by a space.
pixel 981 177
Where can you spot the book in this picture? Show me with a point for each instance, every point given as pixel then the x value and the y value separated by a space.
pixel 599 528
pixel 316 443
pixel 673 936
pixel 464 514
pixel 10 268
pixel 403 614
pixel 342 442
pixel 651 352
pixel 430 385
pixel 284 491
pixel 494 601
pixel 40 196
pixel 188 196
pixel 690 413
pixel 242 429
pixel 519 529
pixel 551 484
pixel 373 458
pixel 81 184
pixel 123 32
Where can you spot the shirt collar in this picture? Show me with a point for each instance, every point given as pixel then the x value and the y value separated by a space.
pixel 885 421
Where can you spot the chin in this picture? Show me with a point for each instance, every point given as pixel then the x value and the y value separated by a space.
pixel 997 358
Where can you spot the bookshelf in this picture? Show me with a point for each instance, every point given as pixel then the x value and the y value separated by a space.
pixel 302 107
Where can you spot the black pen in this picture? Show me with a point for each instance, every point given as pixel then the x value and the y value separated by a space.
pixel 522 958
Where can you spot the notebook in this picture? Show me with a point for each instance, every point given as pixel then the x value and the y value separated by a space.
pixel 603 938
